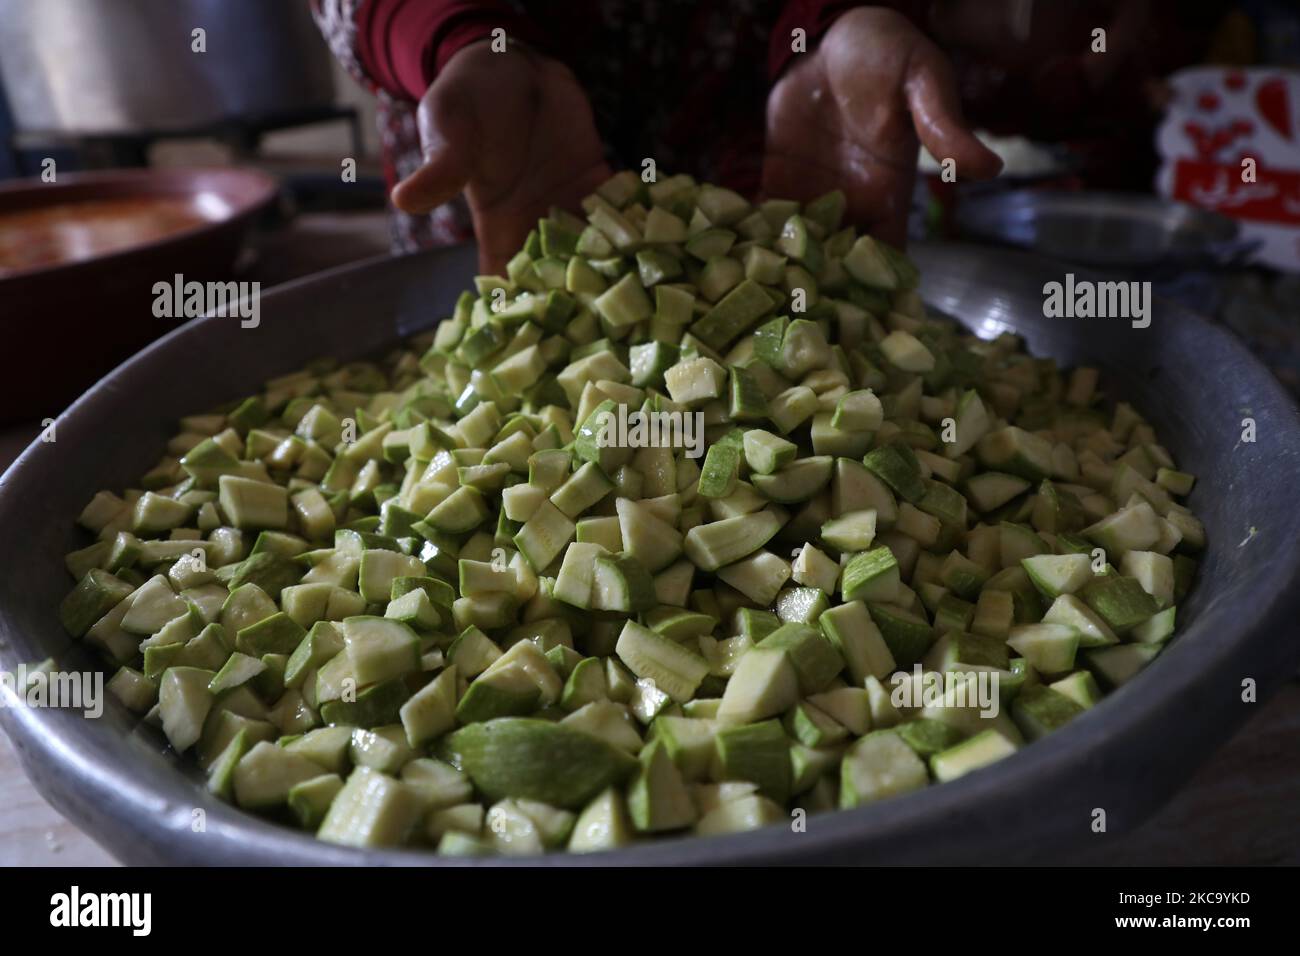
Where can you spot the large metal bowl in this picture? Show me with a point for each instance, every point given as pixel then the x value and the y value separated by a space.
pixel 1124 757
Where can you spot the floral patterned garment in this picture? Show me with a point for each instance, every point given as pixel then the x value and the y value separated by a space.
pixel 398 137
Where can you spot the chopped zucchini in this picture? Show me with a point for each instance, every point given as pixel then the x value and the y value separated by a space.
pixel 433 599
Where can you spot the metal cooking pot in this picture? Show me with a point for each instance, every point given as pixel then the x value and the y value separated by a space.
pixel 86 67
pixel 1126 755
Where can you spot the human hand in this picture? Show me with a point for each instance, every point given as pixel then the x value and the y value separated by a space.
pixel 513 130
pixel 848 116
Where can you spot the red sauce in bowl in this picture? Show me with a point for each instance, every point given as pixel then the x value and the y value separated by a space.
pixel 76 231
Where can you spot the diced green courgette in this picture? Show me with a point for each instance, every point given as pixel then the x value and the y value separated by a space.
pixel 434 599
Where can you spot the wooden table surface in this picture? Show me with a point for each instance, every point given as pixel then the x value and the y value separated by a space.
pixel 1242 807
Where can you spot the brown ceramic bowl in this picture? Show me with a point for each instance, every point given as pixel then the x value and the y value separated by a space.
pixel 66 325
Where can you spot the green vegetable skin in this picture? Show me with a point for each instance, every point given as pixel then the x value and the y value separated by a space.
pixel 420 601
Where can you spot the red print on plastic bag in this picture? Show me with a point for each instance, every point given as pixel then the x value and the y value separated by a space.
pixel 1271 99
pixel 1229 144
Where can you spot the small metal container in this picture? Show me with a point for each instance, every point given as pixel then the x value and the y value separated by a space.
pixel 1105 230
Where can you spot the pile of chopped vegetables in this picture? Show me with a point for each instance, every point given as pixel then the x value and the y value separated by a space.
pixel 428 601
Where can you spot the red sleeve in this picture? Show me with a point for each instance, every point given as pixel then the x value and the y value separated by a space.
pixel 816 17
pixel 404 43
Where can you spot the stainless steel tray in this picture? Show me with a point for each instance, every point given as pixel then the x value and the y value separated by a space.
pixel 1125 756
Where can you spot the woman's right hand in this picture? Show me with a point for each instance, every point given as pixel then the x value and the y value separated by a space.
pixel 848 115
pixel 513 130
